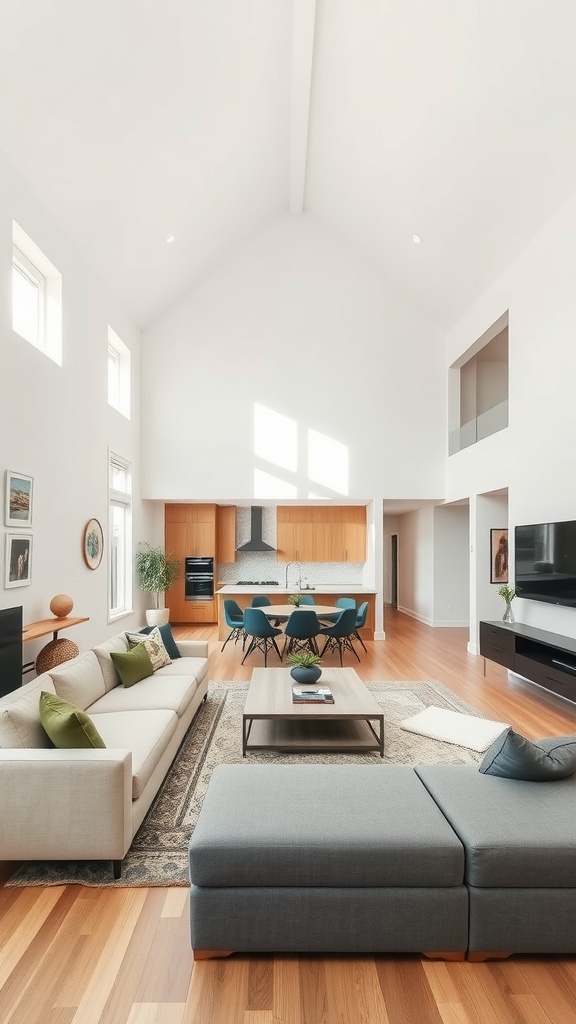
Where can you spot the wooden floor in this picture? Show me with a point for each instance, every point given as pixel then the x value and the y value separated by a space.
pixel 70 955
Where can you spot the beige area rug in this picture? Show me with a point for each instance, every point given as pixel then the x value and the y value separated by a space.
pixel 158 855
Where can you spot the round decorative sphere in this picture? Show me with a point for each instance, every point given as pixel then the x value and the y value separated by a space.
pixel 61 605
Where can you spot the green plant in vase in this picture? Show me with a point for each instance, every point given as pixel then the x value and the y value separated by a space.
pixel 305 666
pixel 508 593
pixel 295 599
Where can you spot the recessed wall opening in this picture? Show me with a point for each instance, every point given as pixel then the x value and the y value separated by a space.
pixel 478 389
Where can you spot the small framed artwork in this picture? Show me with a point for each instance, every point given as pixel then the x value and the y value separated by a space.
pixel 18 559
pixel 498 556
pixel 93 544
pixel 18 499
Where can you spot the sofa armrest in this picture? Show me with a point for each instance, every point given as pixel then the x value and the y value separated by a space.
pixel 193 648
pixel 65 804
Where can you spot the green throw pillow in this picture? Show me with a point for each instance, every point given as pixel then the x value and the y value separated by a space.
pixel 132 666
pixel 66 725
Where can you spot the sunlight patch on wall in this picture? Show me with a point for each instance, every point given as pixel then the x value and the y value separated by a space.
pixel 268 486
pixel 328 462
pixel 275 439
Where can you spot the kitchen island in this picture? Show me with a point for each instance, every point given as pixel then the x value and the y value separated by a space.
pixel 325 594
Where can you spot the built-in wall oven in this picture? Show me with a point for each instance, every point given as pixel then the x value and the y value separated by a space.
pixel 199 579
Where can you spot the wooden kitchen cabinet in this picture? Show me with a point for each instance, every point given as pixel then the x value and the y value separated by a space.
pixel 334 533
pixel 226 533
pixel 189 531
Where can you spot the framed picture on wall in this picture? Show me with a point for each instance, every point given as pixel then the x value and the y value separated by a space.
pixel 498 556
pixel 18 559
pixel 18 511
pixel 93 544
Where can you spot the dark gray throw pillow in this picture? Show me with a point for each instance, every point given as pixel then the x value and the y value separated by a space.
pixel 512 756
pixel 167 638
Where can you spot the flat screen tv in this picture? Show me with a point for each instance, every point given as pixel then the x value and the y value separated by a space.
pixel 545 562
pixel 10 649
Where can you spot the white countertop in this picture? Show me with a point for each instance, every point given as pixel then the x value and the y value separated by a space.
pixel 319 588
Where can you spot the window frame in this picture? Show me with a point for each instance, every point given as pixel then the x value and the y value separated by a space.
pixel 121 401
pixel 120 499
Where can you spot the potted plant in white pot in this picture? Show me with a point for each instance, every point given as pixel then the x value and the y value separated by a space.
pixel 156 571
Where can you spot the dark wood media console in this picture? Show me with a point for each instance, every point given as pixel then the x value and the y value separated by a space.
pixel 545 658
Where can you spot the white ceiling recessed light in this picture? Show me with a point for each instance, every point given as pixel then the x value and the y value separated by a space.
pixel 170 237
pixel 416 239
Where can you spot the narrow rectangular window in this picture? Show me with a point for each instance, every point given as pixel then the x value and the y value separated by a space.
pixel 120 547
pixel 36 296
pixel 118 374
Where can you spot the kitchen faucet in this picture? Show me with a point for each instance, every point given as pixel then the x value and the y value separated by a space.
pixel 299 574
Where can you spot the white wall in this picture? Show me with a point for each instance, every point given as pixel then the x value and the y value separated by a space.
pixel 56 426
pixel 416 564
pixel 533 458
pixel 451 566
pixel 296 322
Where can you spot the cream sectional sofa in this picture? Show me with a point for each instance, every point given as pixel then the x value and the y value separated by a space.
pixel 88 804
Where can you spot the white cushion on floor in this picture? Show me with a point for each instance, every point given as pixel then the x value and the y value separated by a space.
pixel 454 727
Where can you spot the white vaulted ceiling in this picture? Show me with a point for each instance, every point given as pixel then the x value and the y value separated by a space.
pixel 452 119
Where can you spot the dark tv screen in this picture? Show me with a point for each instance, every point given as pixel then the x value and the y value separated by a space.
pixel 545 562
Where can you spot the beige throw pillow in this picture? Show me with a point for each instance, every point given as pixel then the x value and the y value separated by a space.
pixel 153 644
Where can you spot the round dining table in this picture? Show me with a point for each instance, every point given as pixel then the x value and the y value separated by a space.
pixel 284 611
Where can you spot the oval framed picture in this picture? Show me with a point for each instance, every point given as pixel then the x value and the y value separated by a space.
pixel 93 544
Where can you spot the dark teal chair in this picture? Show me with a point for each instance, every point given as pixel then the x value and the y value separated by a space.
pixel 260 601
pixel 235 619
pixel 262 634
pixel 361 621
pixel 307 600
pixel 301 631
pixel 342 602
pixel 339 635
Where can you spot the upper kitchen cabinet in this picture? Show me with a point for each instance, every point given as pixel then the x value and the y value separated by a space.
pixel 191 530
pixel 226 533
pixel 326 533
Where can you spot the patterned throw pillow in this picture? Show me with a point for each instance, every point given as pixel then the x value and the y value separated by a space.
pixel 154 645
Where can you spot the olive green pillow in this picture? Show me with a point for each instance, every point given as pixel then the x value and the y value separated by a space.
pixel 132 666
pixel 66 725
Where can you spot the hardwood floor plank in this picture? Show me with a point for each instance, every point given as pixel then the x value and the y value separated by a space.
pixel 155 1013
pixel 260 982
pixel 258 1017
pixel 168 967
pixel 218 991
pixel 407 995
pixel 531 1010
pixel 176 903
pixel 445 993
pixel 353 991
pixel 313 994
pixel 16 943
pixel 553 988
pixel 286 998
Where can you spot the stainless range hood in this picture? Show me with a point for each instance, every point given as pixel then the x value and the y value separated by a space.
pixel 255 543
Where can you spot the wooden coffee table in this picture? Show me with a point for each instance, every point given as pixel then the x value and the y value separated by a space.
pixel 353 723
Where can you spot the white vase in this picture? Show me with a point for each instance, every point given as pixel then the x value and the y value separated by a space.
pixel 157 616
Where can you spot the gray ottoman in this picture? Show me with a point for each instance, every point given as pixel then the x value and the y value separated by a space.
pixel 325 859
pixel 520 842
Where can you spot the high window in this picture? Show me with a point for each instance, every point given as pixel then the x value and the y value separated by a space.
pixel 118 374
pixel 120 547
pixel 36 296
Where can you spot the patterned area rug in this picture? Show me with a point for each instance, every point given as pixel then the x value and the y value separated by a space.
pixel 158 855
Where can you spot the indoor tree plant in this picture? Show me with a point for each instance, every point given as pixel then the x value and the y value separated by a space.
pixel 157 571
pixel 305 666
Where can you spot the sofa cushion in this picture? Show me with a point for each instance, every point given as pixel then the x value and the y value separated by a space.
pixel 516 834
pixel 145 733
pixel 154 645
pixel 512 756
pixel 192 667
pixel 322 825
pixel 167 637
pixel 132 666
pixel 107 667
pixel 80 681
pixel 20 724
pixel 68 727
pixel 174 694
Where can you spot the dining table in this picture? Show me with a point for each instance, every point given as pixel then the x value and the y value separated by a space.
pixel 281 612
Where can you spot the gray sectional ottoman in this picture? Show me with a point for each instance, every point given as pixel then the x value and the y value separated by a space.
pixel 439 859
pixel 520 844
pixel 325 859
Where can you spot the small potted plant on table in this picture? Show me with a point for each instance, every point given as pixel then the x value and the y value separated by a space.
pixel 508 593
pixel 305 666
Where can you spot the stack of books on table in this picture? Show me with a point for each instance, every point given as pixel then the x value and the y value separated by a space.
pixel 312 695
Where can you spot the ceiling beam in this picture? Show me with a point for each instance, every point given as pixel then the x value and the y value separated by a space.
pixel 303 16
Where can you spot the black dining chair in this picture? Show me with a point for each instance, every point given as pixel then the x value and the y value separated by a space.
pixel 339 635
pixel 301 631
pixel 263 634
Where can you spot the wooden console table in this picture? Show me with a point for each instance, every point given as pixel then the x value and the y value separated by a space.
pixel 34 630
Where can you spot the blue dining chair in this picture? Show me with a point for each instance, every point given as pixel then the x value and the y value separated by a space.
pixel 307 599
pixel 342 602
pixel 260 601
pixel 235 619
pixel 361 621
pixel 339 635
pixel 301 631
pixel 263 634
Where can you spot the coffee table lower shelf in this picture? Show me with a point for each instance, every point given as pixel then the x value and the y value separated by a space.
pixel 312 736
